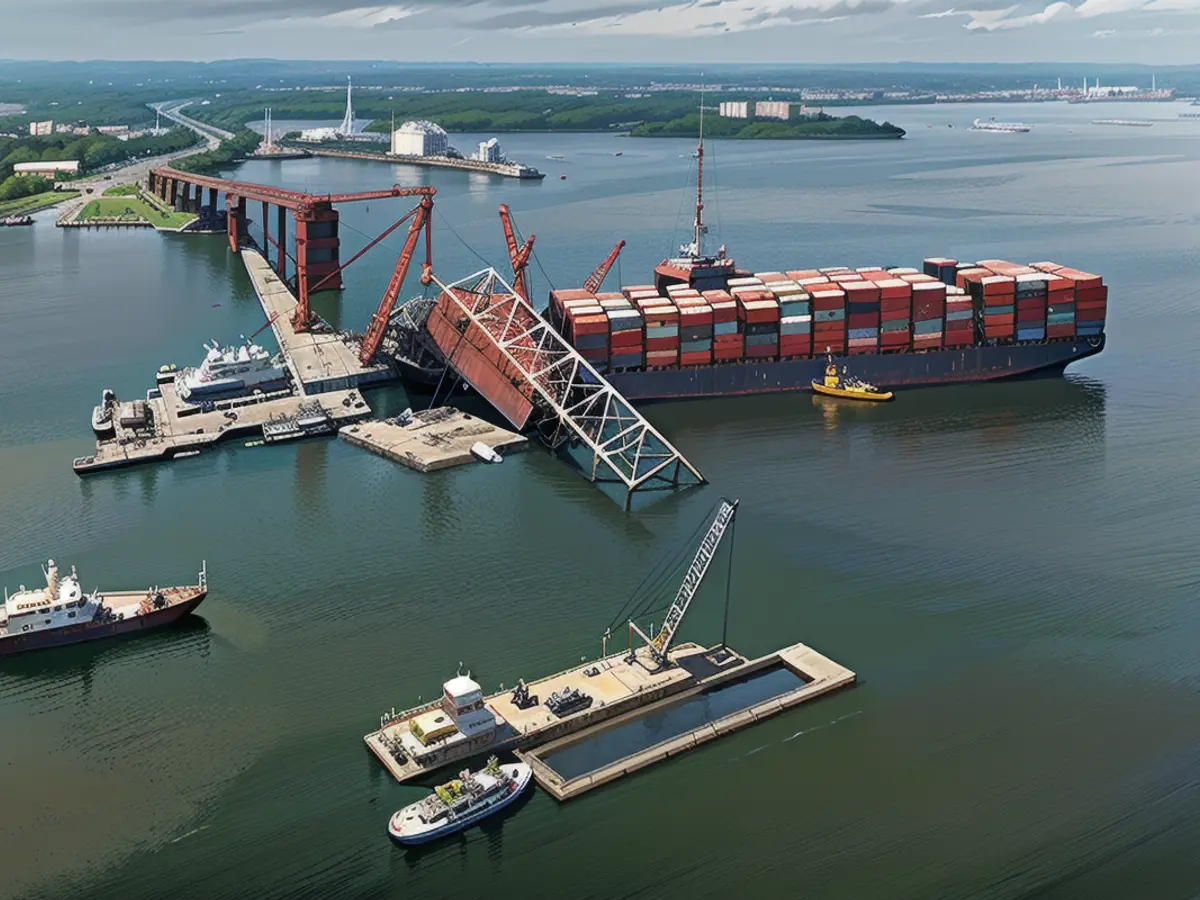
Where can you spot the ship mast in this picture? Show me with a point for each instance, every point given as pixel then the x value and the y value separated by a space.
pixel 697 249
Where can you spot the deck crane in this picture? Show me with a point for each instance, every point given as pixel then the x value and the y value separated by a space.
pixel 660 644
pixel 601 271
pixel 518 255
pixel 421 216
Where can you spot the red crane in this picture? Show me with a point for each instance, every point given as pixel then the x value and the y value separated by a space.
pixel 601 271
pixel 518 255
pixel 420 216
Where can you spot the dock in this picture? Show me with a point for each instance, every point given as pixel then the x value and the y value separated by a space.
pixel 320 361
pixel 172 427
pixel 434 439
pixel 621 690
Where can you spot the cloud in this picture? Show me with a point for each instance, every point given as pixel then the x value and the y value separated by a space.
pixel 943 14
pixel 1104 33
pixel 995 20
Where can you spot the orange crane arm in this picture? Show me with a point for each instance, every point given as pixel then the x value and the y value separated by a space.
pixel 394 191
pixel 601 272
pixel 375 332
pixel 518 255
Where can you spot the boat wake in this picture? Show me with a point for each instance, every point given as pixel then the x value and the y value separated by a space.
pixel 189 834
pixel 823 725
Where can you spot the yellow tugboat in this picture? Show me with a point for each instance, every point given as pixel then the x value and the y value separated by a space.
pixel 847 386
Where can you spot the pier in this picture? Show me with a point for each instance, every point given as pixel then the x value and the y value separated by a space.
pixel 320 361
pixel 434 439
pixel 171 427
pixel 505 169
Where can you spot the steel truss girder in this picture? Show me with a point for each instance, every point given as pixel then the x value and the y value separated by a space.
pixel 565 386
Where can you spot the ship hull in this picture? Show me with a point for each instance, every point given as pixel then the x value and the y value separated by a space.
pixel 886 370
pixel 90 631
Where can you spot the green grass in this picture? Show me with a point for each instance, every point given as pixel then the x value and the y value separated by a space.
pixel 123 190
pixel 34 202
pixel 133 209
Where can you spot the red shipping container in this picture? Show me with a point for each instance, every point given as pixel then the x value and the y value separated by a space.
pixel 970 276
pixel 894 338
pixel 797 274
pixel 1060 331
pixel 762 350
pixel 1092 294
pixel 927 341
pixel 997 331
pixel 1082 280
pixel 662 343
pixel 846 277
pixel 660 358
pixel 697 358
pixel 1045 266
pixel 863 350
pixel 724 311
pixel 727 354
pixel 864 320
pixel 998 300
pixel 994 285
pixel 861 291
pixel 898 304
pixel 893 315
pixel 1031 315
pixel 834 299
pixel 920 278
pixel 626 339
pixel 1056 297
pixel 770 277
pixel 1058 283
pixel 893 288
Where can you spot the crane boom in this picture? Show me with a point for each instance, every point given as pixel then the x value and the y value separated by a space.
pixel 518 255
pixel 661 642
pixel 375 332
pixel 601 271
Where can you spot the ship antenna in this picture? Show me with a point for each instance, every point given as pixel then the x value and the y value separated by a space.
pixel 700 178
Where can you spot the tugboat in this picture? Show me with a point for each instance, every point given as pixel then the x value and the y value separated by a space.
pixel 102 414
pixel 14 221
pixel 61 613
pixel 461 803
pixel 847 387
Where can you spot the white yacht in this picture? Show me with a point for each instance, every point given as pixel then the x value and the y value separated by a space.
pixel 460 803
pixel 102 414
pixel 231 372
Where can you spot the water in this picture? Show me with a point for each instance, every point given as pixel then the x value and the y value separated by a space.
pixel 624 740
pixel 1011 568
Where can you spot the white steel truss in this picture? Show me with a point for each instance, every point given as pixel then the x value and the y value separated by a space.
pixel 574 404
pixel 661 642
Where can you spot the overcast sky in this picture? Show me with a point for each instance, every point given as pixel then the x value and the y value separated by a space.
pixel 694 31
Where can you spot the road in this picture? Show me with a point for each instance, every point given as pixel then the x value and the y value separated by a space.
pixel 139 172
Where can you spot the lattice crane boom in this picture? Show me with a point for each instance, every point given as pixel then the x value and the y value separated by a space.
pixel 601 271
pixel 661 642
pixel 518 255
pixel 420 222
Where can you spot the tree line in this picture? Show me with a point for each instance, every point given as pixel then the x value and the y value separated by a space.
pixel 94 150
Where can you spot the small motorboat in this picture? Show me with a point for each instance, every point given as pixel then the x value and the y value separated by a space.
pixel 484 453
pixel 102 414
pixel 460 803
pixel 847 387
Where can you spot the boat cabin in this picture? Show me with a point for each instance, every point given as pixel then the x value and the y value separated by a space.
pixel 462 711
pixel 61 603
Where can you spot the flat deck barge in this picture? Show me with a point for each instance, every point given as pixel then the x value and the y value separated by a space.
pixel 619 689
pixel 434 439
pixel 171 427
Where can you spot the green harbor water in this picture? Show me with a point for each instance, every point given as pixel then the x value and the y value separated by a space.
pixel 1011 568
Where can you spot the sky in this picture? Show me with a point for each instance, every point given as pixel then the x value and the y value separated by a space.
pixel 668 31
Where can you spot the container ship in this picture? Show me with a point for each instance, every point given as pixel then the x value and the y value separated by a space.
pixel 705 328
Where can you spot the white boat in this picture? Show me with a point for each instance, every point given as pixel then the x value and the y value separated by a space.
pixel 460 803
pixel 484 453
pixel 232 371
pixel 102 414
pixel 1006 127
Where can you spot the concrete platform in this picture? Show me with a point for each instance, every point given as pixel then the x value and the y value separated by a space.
pixel 619 687
pixel 320 362
pixel 822 676
pixel 435 439
pixel 175 427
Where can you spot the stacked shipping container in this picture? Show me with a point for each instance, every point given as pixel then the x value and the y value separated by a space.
pixel 808 312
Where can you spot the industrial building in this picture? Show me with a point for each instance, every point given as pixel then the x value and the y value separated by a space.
pixel 48 168
pixel 735 109
pixel 420 138
pixel 772 109
pixel 41 129
pixel 489 151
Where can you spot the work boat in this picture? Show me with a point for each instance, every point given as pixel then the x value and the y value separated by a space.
pixel 231 372
pixel 847 387
pixel 460 803
pixel 61 613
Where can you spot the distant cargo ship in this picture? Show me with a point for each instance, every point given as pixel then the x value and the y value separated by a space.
pixel 992 125
pixel 61 613
pixel 1134 123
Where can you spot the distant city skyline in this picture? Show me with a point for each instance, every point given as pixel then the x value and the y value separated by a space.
pixel 660 31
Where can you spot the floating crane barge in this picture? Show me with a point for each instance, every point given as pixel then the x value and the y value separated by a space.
pixel 563 711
